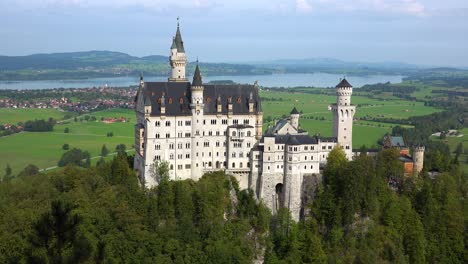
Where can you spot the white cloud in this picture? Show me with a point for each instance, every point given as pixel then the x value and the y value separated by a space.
pixel 303 6
pixel 411 7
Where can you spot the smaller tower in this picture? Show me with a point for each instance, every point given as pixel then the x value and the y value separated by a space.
pixel 197 106
pixel 178 60
pixel 295 118
pixel 418 159
pixel 343 114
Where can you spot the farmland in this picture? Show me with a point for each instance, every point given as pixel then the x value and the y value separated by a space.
pixel 13 116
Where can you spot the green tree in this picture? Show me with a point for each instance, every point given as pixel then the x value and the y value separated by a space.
pixel 104 151
pixel 55 237
pixel 8 170
pixel 65 146
pixel 29 170
pixel 66 130
pixel 121 149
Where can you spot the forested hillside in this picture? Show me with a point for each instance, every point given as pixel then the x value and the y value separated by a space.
pixel 102 215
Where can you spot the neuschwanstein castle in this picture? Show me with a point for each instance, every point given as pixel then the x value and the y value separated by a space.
pixel 198 128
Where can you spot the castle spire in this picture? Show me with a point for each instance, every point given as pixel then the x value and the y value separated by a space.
pixel 178 39
pixel 197 78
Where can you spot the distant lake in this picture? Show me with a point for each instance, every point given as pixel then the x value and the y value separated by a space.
pixel 275 80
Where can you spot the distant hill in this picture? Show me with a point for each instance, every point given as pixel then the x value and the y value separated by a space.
pixel 73 60
pixel 92 64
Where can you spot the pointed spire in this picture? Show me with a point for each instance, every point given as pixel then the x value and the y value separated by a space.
pixel 174 45
pixel 197 78
pixel 178 39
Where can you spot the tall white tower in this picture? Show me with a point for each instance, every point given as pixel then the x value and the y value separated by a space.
pixel 343 113
pixel 178 60
pixel 197 106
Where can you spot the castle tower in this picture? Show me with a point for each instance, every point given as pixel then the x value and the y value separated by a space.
pixel 418 159
pixel 178 60
pixel 197 106
pixel 295 118
pixel 343 113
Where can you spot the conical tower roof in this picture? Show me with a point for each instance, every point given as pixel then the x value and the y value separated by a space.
pixel 197 78
pixel 178 40
pixel 174 45
pixel 294 111
pixel 344 83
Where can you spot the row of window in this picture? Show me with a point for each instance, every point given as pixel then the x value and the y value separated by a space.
pixel 209 164
pixel 212 121
pixel 281 166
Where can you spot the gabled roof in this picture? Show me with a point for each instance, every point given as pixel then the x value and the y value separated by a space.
pixel 294 111
pixel 344 84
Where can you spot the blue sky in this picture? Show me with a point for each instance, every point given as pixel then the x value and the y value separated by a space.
pixel 428 32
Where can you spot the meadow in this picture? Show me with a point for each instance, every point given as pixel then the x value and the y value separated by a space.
pixel 13 116
pixel 45 149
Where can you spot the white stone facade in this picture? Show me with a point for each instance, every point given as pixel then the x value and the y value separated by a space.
pixel 198 128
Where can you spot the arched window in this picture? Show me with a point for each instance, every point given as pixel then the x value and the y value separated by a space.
pixel 181 100
pixel 233 165
pixel 238 99
pixel 170 100
pixel 233 133
pixel 249 133
pixel 240 165
pixel 208 99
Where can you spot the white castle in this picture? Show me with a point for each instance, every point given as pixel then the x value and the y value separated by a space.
pixel 199 128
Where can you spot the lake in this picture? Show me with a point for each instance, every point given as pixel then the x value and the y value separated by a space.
pixel 275 80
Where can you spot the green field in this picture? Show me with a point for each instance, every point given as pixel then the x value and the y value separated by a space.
pixel 13 116
pixel 44 149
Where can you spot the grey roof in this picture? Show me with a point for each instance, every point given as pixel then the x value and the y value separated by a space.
pixel 294 111
pixel 280 124
pixel 197 78
pixel 178 40
pixel 344 83
pixel 397 142
pixel 177 98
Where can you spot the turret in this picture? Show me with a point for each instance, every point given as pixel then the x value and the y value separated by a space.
pixel 343 114
pixel 178 59
pixel 418 159
pixel 197 90
pixel 344 90
pixel 295 118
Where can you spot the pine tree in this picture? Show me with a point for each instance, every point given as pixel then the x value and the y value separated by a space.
pixel 104 151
